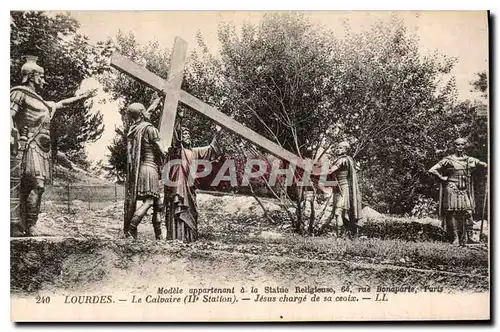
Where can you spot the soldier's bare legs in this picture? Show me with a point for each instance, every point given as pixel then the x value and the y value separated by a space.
pixel 139 215
pixel 469 227
pixel 156 221
pixel 455 228
pixel 31 198
pixel 450 228
pixel 338 221
pixel 461 228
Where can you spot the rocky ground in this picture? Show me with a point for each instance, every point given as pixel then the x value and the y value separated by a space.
pixel 86 250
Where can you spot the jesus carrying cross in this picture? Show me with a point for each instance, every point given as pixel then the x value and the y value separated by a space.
pixel 180 195
pixel 186 207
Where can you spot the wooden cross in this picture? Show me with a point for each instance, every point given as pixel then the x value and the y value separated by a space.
pixel 173 94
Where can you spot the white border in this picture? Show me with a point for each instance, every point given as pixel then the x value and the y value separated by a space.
pixel 195 5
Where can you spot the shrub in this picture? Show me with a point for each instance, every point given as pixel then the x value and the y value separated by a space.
pixel 424 207
pixel 399 228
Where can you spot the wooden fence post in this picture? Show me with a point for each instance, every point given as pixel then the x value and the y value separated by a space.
pixel 68 196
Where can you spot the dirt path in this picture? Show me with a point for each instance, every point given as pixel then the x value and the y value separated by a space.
pixel 61 266
pixel 85 251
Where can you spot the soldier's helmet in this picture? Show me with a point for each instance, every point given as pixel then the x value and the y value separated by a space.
pixel 135 110
pixel 30 67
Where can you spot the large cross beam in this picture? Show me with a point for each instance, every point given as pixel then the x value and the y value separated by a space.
pixel 172 90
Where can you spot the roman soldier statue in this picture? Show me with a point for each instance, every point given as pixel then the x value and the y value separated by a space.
pixel 145 158
pixel 30 146
pixel 456 201
pixel 348 204
pixel 347 208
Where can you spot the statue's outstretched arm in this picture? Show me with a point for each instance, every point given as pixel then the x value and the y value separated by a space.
pixel 154 105
pixel 68 101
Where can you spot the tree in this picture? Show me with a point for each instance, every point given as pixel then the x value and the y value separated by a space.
pixel 67 58
pixel 481 84
pixel 128 90
pixel 298 85
pixel 275 78
pixel 391 105
pixel 479 140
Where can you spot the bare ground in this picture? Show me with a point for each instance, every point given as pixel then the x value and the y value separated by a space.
pixel 85 251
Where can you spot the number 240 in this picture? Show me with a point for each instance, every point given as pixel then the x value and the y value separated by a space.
pixel 42 299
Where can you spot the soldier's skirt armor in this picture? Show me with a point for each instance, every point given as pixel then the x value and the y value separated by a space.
pixel 343 201
pixel 456 192
pixel 148 182
pixel 37 157
pixel 35 119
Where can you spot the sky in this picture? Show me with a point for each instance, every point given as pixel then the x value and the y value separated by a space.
pixel 459 34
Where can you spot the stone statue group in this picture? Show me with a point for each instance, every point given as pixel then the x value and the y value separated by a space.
pixel 31 170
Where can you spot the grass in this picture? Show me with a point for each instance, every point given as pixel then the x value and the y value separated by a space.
pixel 390 240
pixel 425 255
pixel 390 228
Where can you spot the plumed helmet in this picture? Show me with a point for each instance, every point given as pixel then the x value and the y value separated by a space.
pixel 30 67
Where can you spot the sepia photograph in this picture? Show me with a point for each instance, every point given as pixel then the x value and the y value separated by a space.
pixel 249 166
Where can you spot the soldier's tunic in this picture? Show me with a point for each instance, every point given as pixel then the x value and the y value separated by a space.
pixel 458 191
pixel 143 168
pixel 32 118
pixel 457 195
pixel 148 184
pixel 348 202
